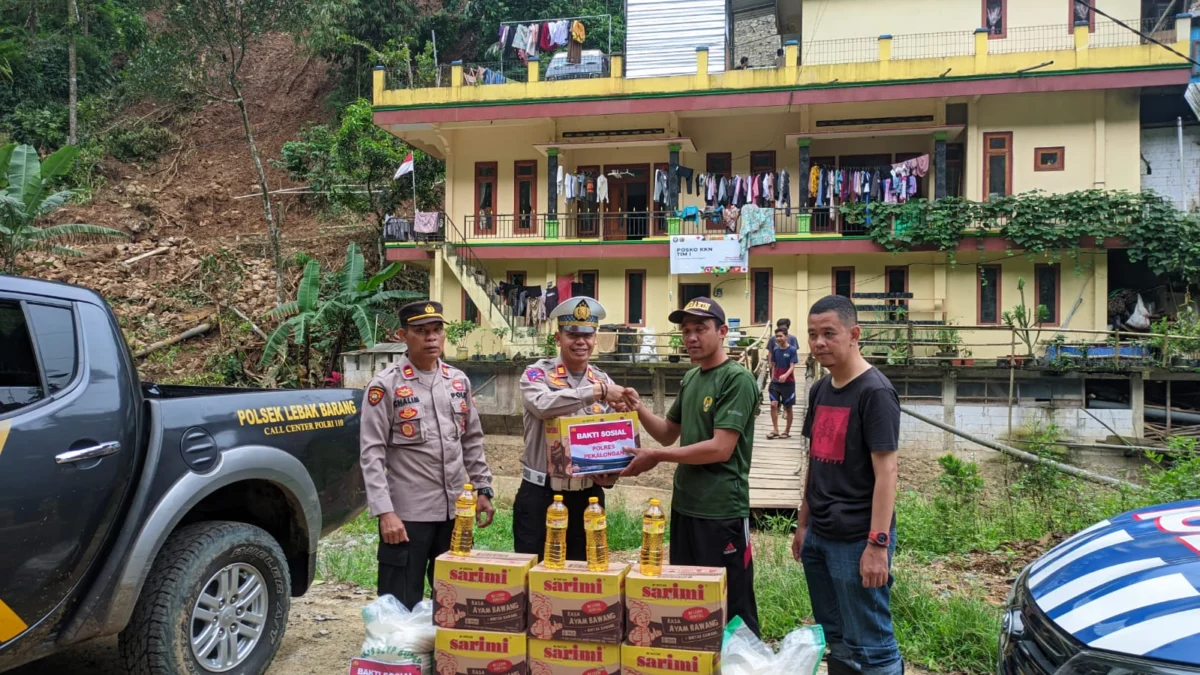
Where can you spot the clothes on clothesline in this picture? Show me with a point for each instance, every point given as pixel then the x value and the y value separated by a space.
pixel 396 228
pixel 602 189
pixel 831 186
pixel 427 223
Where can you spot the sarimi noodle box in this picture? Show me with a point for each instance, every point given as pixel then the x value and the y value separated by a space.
pixel 467 652
pixel 683 608
pixel 663 661
pixel 558 657
pixel 482 591
pixel 591 444
pixel 576 604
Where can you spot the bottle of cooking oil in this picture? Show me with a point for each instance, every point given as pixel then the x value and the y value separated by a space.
pixel 595 524
pixel 463 537
pixel 556 535
pixel 654 526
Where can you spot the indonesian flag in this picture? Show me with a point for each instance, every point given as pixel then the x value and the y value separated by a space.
pixel 406 167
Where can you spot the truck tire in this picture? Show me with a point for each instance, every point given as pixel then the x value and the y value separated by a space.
pixel 203 566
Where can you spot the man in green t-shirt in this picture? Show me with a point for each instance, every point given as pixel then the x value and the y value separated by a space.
pixel 713 420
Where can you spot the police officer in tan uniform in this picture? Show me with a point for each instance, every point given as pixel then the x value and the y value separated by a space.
pixel 420 441
pixel 564 386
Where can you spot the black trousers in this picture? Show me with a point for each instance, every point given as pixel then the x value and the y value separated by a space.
pixel 404 569
pixel 529 518
pixel 719 543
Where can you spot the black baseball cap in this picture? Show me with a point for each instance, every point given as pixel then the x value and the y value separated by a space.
pixel 704 308
pixel 420 313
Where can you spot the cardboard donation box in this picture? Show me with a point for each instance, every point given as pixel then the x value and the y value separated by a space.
pixel 661 661
pixel 591 444
pixel 371 667
pixel 556 657
pixel 684 608
pixel 482 591
pixel 468 652
pixel 575 604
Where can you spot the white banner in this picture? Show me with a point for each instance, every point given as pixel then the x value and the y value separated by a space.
pixel 707 254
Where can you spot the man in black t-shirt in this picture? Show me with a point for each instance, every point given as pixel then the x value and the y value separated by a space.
pixel 846 528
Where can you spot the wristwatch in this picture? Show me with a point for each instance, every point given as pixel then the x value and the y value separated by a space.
pixel 486 492
pixel 879 539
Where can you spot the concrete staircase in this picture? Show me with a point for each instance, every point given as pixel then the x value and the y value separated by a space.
pixel 477 283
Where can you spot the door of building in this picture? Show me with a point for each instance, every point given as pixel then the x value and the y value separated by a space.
pixel 689 292
pixel 628 201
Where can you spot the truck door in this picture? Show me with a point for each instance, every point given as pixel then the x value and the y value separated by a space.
pixel 68 453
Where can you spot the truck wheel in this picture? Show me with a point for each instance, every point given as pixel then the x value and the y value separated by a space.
pixel 216 601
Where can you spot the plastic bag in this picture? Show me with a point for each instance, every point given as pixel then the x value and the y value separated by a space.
pixel 744 654
pixel 396 635
pixel 1140 319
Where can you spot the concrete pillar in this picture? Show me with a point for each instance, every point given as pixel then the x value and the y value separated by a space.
pixel 1183 30
pixel 973 162
pixel 701 68
pixel 1137 400
pixel 672 176
pixel 885 56
pixel 659 384
pixel 552 183
pixel 378 82
pixel 437 284
pixel 1081 44
pixel 616 66
pixel 534 69
pixel 949 401
pixel 1101 139
pixel 941 288
pixel 939 165
pixel 456 79
pixel 981 50
pixel 805 167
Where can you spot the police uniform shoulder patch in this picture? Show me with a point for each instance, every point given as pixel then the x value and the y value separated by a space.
pixel 445 370
pixel 534 374
pixel 560 371
pixel 409 373
pixel 375 395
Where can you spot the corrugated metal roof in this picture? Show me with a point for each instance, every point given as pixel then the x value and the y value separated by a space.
pixel 740 7
pixel 381 348
pixel 661 36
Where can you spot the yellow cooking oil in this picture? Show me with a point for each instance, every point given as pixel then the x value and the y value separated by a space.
pixel 654 527
pixel 595 524
pixel 462 540
pixel 556 535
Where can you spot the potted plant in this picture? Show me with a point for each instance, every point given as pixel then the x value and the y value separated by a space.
pixel 676 346
pixel 1023 320
pixel 948 340
pixel 456 333
pixel 966 360
pixel 500 334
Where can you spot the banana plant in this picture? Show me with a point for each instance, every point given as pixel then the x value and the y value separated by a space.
pixel 25 197
pixel 351 306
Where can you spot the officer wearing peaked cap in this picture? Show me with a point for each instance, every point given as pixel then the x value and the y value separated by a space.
pixel 420 440
pixel 564 386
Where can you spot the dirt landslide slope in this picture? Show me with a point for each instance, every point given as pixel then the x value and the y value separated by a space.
pixel 185 203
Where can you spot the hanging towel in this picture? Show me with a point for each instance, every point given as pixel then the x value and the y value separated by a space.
pixel 426 223
pixel 578 32
pixel 544 40
pixel 758 228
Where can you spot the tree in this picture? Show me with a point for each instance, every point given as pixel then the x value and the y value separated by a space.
pixel 353 166
pixel 72 73
pixel 351 306
pixel 213 38
pixel 27 196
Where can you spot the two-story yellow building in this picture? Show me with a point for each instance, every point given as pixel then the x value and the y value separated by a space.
pixel 614 176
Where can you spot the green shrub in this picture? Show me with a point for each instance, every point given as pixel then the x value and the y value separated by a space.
pixel 139 146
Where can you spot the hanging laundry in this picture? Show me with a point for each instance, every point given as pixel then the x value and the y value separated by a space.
pixel 758 228
pixel 559 33
pixel 545 43
pixel 602 189
pixel 660 186
pixel 783 192
pixel 504 35
pixel 729 217
pixel 578 32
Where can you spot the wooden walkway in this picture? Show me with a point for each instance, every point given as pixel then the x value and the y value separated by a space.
pixel 776 481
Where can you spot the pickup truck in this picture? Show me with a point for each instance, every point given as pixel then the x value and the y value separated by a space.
pixel 181 518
